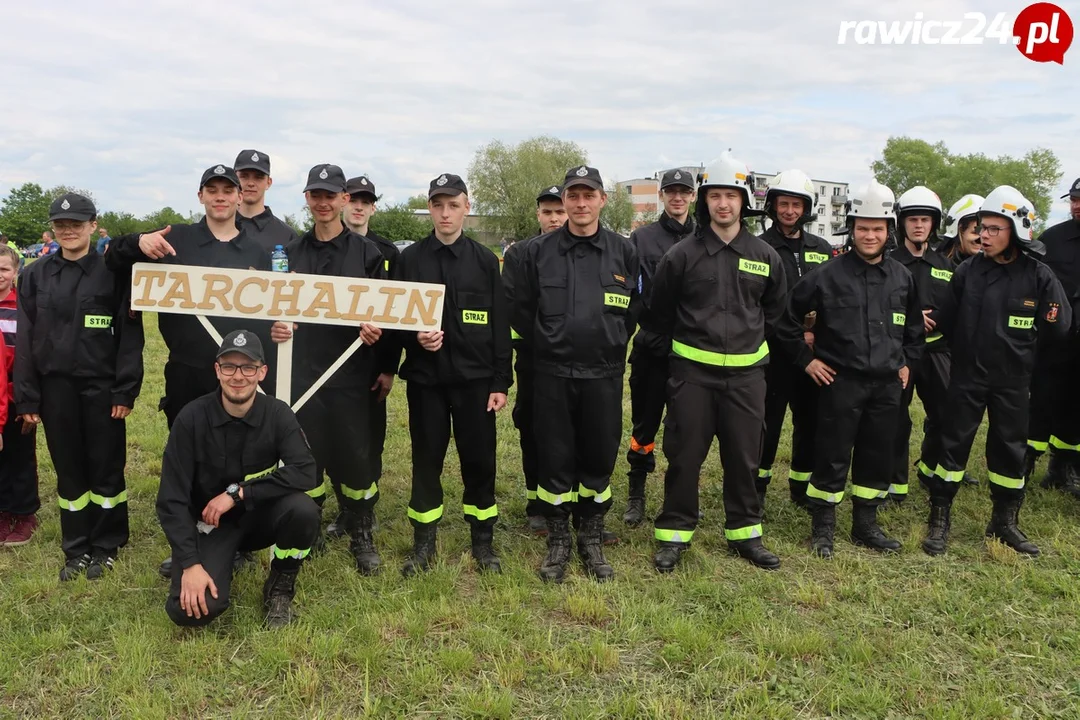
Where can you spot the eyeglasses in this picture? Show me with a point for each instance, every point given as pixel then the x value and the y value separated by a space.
pixel 991 230
pixel 228 369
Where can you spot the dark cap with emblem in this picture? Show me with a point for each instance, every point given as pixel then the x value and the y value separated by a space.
pixel 361 186
pixel 325 177
pixel 252 160
pixel 1074 190
pixel 583 175
pixel 677 176
pixel 551 192
pixel 219 171
pixel 71 206
pixel 447 184
pixel 244 342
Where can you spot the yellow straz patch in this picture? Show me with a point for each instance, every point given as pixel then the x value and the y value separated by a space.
pixel 814 257
pixel 97 321
pixel 1021 323
pixel 474 317
pixel 753 267
pixel 616 300
pixel 898 318
pixel 939 274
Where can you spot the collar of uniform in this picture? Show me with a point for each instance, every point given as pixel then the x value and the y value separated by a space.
pixel 261 220
pixel 337 241
pixel 206 237
pixel 455 248
pixel 860 266
pixel 568 240
pixel 713 243
pixel 82 263
pixel 253 418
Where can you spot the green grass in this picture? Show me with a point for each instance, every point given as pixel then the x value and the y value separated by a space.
pixel 978 633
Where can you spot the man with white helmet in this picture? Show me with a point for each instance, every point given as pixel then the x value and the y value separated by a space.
pixel 962 229
pixel 720 292
pixel 1000 302
pixel 867 335
pixel 918 216
pixel 789 204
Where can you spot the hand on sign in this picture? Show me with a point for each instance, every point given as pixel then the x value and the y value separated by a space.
pixel 430 340
pixel 370 334
pixel 496 402
pixel 194 584
pixel 154 245
pixel 211 514
pixel 119 412
pixel 928 324
pixel 821 373
pixel 384 383
pixel 905 373
pixel 282 331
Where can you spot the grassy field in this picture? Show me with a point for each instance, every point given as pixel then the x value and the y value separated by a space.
pixel 978 633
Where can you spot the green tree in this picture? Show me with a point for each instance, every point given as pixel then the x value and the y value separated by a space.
pixel 161 218
pixel 504 180
pixel 906 162
pixel 416 202
pixel 121 223
pixel 618 214
pixel 298 227
pixel 24 214
pixel 397 223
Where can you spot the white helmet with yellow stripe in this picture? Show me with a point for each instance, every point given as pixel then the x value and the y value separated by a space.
pixel 965 207
pixel 792 183
pixel 727 172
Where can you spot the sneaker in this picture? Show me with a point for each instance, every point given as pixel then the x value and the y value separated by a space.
pixel 74 567
pixel 6 521
pixel 23 530
pixel 101 562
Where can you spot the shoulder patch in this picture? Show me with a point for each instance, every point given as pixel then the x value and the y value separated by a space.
pixel 1052 312
pixel 620 278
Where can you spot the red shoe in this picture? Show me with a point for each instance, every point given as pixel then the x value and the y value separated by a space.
pixel 25 525
pixel 6 521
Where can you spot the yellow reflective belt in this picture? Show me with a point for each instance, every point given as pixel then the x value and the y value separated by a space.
pixel 866 493
pixel 286 553
pixel 1014 483
pixel 261 473
pixel 481 513
pixel 798 476
pixel 317 492
pixel 953 476
pixel 833 498
pixel 934 337
pixel 763 473
pixel 426 517
pixel 366 494
pixel 898 489
pixel 1059 444
pixel 720 359
pixel 584 492
pixel 1038 445
pixel 515 335
pixel 679 536
pixel 553 499
pixel 75 505
pixel 106 503
pixel 746 533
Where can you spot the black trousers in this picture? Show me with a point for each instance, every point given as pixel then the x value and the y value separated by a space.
pixel 648 395
pixel 88 450
pixel 435 410
pixel 336 422
pixel 1065 410
pixel 523 420
pixel 18 469
pixel 376 431
pixel 788 385
pixel 1047 378
pixel 857 418
pixel 184 383
pixel 580 421
pixel 1006 436
pixel 290 525
pixel 931 379
pixel 733 414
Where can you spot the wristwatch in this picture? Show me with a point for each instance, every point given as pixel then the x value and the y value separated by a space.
pixel 233 491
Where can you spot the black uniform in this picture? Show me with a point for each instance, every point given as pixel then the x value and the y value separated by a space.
pixel 992 317
pixel 932 273
pixel 450 387
pixel 652 344
pixel 336 420
pixel 208 450
pixel 785 383
pixel 189 371
pixel 266 230
pixel 79 353
pixel 721 301
pixel 869 325
pixel 571 304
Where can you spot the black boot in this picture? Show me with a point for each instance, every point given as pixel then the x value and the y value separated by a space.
pixel 1072 476
pixel 635 502
pixel 798 494
pixel 865 530
pixel 537 525
pixel 822 530
pixel 1055 472
pixel 668 555
pixel 558 550
pixel 423 550
pixel 278 593
pixel 760 487
pixel 483 552
pixel 1031 456
pixel 937 535
pixel 1004 527
pixel 362 542
pixel 340 526
pixel 590 545
pixel 755 552
pixel 970 479
pixel 609 538
pixel 165 568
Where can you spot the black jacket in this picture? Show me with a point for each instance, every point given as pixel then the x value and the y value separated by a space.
pixel 652 242
pixel 316 346
pixel 721 301
pixel 800 255
pixel 74 319
pixel 571 302
pixel 869 320
pixel 475 320
pixel 932 273
pixel 208 450
pixel 389 250
pixel 995 314
pixel 511 272
pixel 266 230
pixel 185 337
pixel 1063 255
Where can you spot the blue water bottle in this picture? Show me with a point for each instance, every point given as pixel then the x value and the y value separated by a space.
pixel 279 261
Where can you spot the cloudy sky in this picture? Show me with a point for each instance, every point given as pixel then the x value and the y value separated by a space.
pixel 132 100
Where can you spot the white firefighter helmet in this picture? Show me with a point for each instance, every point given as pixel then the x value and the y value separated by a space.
pixel 1009 203
pixel 730 173
pixel 875 201
pixel 793 183
pixel 920 200
pixel 965 207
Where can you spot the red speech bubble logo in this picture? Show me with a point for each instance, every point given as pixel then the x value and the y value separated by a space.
pixel 1043 32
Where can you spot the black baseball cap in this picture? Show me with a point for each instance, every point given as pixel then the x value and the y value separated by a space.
pixel 244 342
pixel 584 175
pixel 325 177
pixel 1074 190
pixel 71 206
pixel 361 186
pixel 447 184
pixel 552 192
pixel 677 176
pixel 219 171
pixel 252 160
